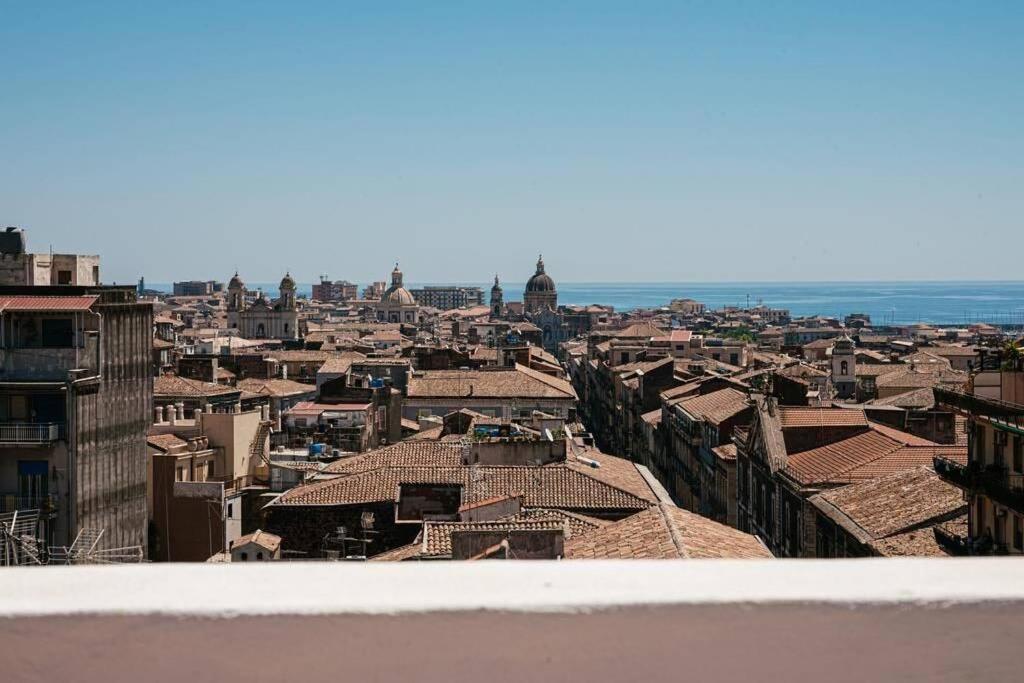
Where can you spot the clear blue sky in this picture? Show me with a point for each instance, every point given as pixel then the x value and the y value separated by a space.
pixel 627 141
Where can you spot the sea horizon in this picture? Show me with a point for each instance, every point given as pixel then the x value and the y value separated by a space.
pixel 886 301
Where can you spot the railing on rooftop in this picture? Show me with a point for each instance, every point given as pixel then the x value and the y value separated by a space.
pixel 238 483
pixel 30 433
pixel 978 405
pixel 996 482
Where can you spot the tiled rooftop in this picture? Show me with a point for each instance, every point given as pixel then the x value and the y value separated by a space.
pixel 665 532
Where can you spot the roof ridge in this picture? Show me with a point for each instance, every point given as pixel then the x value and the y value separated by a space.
pixel 674 533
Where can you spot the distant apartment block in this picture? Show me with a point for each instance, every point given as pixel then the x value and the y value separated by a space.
pixel 20 268
pixel 197 287
pixel 446 298
pixel 338 290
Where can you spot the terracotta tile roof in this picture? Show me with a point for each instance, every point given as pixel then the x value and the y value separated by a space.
pixel 275 387
pixel 950 351
pixel 903 459
pixel 614 471
pixel 47 303
pixel 795 417
pixel 877 369
pixel 917 378
pixel 665 532
pixel 341 364
pixel 165 442
pixel 891 505
pixel 312 408
pixel 640 331
pixel 555 486
pixel 923 398
pixel 301 355
pixel 578 524
pixel 726 452
pixel 715 407
pixel 877 452
pixel 653 417
pixel 826 463
pixel 402 454
pixel 175 386
pixel 402 552
pixel 437 536
pixel 917 543
pixel 262 538
pixel 906 438
pixel 428 434
pixel 501 383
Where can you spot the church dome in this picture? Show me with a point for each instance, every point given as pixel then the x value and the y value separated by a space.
pixel 397 294
pixel 541 281
pixel 287 282
pixel 235 282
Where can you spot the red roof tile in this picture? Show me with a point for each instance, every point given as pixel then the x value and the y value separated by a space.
pixel 47 303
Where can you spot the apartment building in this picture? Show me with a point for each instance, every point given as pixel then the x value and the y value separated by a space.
pixel 76 391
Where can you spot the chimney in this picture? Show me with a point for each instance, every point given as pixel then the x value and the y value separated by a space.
pixel 159 415
pixel 284 371
pixel 171 415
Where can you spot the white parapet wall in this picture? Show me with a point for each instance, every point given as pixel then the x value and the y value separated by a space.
pixel 308 588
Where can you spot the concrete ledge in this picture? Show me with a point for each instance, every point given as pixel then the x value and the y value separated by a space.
pixel 304 588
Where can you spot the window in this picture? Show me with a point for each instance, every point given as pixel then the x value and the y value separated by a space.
pixel 63 277
pixel 231 510
pixel 57 332
pixel 1018 533
pixel 244 557
pixel 95 275
pixel 33 481
pixel 1018 455
pixel 844 368
pixel 734 359
pixel 998 448
pixel 259 555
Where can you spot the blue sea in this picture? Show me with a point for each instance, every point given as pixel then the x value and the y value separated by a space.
pixel 885 302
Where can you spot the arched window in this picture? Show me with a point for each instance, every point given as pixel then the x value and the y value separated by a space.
pixel 245 557
pixel 844 368
pixel 261 331
pixel 259 555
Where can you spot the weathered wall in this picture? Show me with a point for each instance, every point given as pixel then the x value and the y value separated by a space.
pixel 107 429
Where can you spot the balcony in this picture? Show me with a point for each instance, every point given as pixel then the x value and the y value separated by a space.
pixel 998 483
pixel 43 364
pixel 26 433
pixel 956 473
pixel 11 502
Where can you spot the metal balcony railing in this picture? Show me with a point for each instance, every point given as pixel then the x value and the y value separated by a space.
pixel 998 483
pixel 11 502
pixel 30 433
